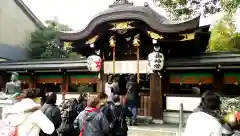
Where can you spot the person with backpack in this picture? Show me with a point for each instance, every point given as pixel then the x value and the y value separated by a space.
pixel 68 114
pixel 118 125
pixel 25 118
pixel 92 122
pixel 52 112
pixel 132 99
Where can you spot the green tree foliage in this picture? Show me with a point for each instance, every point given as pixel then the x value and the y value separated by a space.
pixel 223 36
pixel 185 9
pixel 44 42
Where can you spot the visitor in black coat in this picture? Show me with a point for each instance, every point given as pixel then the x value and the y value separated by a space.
pixel 133 98
pixel 52 112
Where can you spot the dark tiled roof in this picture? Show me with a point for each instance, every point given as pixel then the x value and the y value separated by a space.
pixel 29 13
pixel 44 64
pixel 128 12
pixel 229 60
pixel 13 52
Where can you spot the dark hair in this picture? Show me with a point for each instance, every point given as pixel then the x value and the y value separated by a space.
pixel 210 101
pixel 28 93
pixel 93 102
pixel 133 78
pixel 51 98
pixel 110 79
pixel 102 95
pixel 82 97
pixel 116 98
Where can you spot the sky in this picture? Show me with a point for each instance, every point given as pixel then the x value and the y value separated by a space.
pixel 78 13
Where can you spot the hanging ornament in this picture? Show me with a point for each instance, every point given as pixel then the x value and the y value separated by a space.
pixel 94 63
pixel 136 41
pixel 112 42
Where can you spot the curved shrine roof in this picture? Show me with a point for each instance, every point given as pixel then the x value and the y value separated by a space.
pixel 130 12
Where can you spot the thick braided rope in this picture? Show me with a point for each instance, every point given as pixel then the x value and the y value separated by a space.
pixel 138 76
pixel 114 53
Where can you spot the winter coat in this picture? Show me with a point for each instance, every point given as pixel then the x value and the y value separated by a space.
pixel 93 122
pixel 53 114
pixel 81 106
pixel 202 124
pixel 30 123
pixel 133 89
pixel 121 109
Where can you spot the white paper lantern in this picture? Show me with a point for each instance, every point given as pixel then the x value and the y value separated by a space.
pixel 94 63
pixel 156 60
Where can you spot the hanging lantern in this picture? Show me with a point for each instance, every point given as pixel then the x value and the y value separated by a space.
pixel 112 42
pixel 94 63
pixel 156 61
pixel 113 45
pixel 136 41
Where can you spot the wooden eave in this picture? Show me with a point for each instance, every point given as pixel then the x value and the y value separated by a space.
pixel 205 61
pixel 63 64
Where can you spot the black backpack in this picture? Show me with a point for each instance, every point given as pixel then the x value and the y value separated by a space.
pixel 117 126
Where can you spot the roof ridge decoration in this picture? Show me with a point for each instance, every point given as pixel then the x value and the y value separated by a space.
pixel 121 3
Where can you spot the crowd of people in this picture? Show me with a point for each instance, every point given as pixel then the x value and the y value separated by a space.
pixel 101 115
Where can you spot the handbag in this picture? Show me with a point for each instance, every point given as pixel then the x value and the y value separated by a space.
pixel 66 125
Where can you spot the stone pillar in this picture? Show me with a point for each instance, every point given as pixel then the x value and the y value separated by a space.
pixel 156 96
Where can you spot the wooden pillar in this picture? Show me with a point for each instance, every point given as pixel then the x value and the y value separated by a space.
pixel 218 81
pixel 34 81
pixel 156 96
pixel 65 83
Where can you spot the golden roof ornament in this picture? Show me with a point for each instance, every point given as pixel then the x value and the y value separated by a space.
pixel 122 25
pixel 92 40
pixel 189 36
pixel 154 35
pixel 67 45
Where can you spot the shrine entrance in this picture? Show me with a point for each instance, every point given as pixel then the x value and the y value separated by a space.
pixel 123 37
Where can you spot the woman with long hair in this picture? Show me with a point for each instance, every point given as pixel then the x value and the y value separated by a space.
pixel 205 121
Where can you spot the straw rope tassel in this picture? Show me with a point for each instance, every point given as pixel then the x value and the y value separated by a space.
pixel 138 76
pixel 114 60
